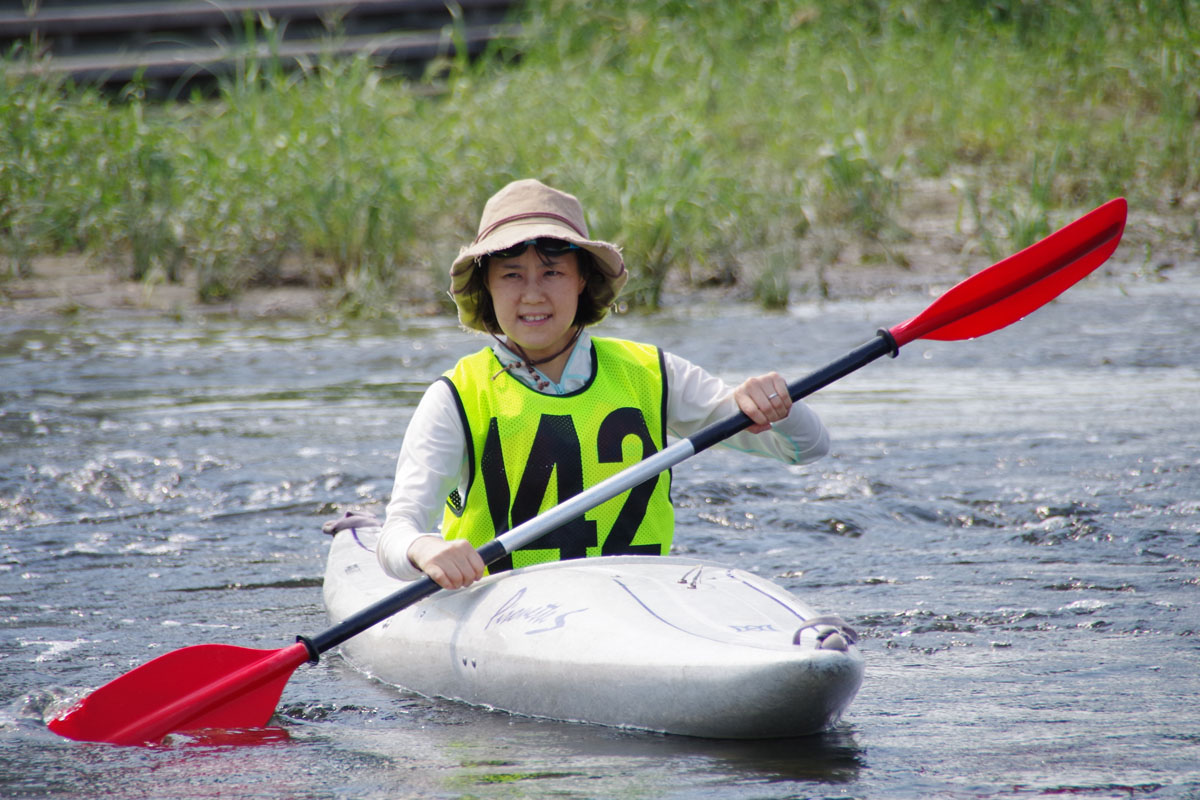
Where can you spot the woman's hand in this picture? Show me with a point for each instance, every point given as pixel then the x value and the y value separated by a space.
pixel 452 564
pixel 764 400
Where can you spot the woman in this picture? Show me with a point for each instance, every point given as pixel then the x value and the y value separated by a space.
pixel 548 410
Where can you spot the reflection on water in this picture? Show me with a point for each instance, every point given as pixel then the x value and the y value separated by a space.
pixel 1011 524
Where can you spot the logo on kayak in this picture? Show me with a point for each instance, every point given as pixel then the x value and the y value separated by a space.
pixel 754 628
pixel 550 616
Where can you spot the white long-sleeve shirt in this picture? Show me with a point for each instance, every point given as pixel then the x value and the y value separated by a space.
pixel 433 457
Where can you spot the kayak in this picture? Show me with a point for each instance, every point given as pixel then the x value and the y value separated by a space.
pixel 666 644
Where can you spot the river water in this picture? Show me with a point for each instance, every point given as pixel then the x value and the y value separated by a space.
pixel 1012 524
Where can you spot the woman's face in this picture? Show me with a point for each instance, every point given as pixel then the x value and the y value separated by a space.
pixel 535 297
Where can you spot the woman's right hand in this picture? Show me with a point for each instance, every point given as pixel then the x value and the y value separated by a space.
pixel 764 400
pixel 452 564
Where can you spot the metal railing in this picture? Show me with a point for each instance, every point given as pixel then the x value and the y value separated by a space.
pixel 112 43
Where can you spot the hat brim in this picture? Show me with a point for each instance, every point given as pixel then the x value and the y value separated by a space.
pixel 607 256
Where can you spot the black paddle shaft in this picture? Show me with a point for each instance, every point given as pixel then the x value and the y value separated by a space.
pixel 883 344
pixel 376 612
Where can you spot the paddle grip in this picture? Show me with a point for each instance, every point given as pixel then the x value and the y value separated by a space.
pixel 882 345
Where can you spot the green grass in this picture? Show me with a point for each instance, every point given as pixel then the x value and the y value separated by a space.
pixel 704 137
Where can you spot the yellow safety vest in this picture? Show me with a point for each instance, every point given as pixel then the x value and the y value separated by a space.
pixel 528 451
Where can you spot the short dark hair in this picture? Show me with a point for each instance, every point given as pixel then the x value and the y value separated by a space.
pixel 589 311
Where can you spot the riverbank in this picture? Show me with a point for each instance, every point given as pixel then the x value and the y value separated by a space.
pixel 762 152
pixel 942 245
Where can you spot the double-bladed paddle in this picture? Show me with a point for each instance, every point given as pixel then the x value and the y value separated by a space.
pixel 222 686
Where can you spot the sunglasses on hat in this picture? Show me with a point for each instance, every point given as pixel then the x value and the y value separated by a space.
pixel 550 248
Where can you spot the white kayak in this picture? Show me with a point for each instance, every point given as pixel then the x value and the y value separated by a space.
pixel 657 643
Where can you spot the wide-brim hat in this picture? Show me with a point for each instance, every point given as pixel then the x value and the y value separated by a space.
pixel 524 210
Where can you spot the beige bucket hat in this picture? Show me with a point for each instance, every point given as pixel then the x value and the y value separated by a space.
pixel 524 210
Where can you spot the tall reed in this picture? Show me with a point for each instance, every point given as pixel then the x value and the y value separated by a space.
pixel 703 137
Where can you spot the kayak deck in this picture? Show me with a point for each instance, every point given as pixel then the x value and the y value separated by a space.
pixel 659 643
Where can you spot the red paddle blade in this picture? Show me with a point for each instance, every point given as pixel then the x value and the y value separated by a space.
pixel 1010 289
pixel 204 686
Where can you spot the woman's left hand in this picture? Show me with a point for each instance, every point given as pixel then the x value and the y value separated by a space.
pixel 764 400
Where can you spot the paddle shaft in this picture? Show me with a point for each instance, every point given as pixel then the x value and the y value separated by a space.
pixel 530 531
